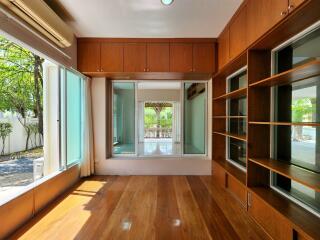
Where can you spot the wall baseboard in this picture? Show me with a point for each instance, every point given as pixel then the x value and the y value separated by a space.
pixel 154 166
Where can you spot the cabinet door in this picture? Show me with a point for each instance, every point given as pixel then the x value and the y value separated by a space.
pixel 276 225
pixel 203 57
pixel 223 48
pixel 89 56
pixel 238 33
pixel 111 57
pixel 262 15
pixel 181 57
pixel 158 57
pixel 135 57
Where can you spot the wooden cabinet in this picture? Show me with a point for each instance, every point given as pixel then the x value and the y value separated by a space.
pixel 237 189
pixel 203 57
pixel 181 57
pixel 276 225
pixel 135 59
pixel 223 48
pixel 238 33
pixel 111 57
pixel 158 58
pixel 89 56
pixel 262 15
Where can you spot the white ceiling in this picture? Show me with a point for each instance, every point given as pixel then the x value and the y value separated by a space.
pixel 149 18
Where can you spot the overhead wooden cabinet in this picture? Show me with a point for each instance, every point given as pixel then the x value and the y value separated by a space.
pixel 135 57
pixel 181 57
pixel 238 33
pixel 203 57
pixel 89 56
pixel 262 15
pixel 112 57
pixel 158 58
pixel 223 48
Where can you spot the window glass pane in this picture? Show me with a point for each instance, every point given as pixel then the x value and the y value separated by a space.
pixel 74 117
pixel 238 81
pixel 194 118
pixel 237 151
pixel 29 89
pixel 298 191
pixel 298 144
pixel 299 52
pixel 123 118
pixel 238 107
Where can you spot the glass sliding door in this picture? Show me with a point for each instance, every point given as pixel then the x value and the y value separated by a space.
pixel 124 118
pixel 195 111
pixel 75 96
pixel 71 117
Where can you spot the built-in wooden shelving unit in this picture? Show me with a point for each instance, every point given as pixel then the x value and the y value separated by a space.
pixel 293 172
pixel 226 117
pixel 242 92
pixel 232 170
pixel 299 73
pixel 235 136
pixel 311 124
pixel 256 178
pixel 302 221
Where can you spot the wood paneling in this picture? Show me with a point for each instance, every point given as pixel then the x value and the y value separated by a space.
pixel 218 174
pixel 112 57
pixel 276 225
pixel 223 48
pixel 204 57
pixel 89 56
pixel 135 57
pixel 238 33
pixel 181 55
pixel 158 57
pixel 19 210
pixel 238 189
pixel 262 15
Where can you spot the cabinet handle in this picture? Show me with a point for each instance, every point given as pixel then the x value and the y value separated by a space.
pixel 283 13
pixel 249 199
pixel 291 7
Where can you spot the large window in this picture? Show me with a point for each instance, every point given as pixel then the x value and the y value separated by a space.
pixel 32 144
pixel 296 140
pixel 28 117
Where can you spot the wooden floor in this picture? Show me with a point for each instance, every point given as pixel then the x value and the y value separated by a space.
pixel 144 207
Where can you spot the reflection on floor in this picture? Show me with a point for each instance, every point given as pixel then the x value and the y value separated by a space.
pixel 157 147
pixel 164 146
pixel 144 207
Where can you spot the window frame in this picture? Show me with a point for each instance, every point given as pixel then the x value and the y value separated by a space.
pixel 238 72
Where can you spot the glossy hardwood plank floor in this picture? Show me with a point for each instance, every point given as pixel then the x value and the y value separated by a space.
pixel 144 207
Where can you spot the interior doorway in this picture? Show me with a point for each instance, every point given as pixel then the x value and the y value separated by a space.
pixel 159 120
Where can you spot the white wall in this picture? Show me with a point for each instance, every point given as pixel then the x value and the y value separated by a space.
pixel 16 141
pixel 159 95
pixel 134 166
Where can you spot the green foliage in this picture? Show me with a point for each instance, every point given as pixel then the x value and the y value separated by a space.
pixel 302 108
pixel 21 83
pixel 151 121
pixel 5 130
